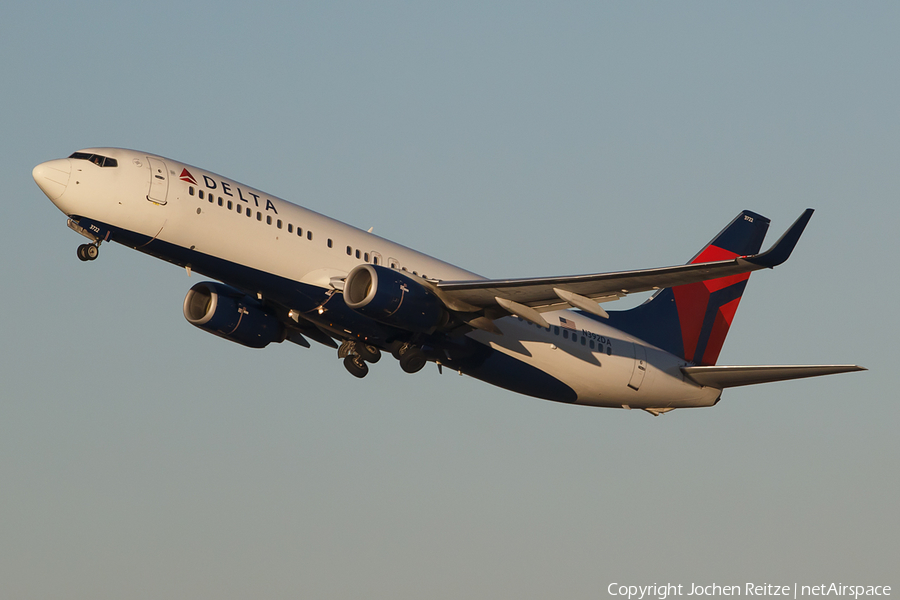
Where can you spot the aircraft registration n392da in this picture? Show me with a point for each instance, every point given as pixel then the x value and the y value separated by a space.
pixel 286 273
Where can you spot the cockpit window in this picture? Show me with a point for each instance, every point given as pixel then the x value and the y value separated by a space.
pixel 100 161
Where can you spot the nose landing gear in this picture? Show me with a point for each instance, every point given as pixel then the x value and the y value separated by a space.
pixel 88 252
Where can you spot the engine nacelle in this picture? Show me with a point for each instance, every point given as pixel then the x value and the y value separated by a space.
pixel 394 298
pixel 231 314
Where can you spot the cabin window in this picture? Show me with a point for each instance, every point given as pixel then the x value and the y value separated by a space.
pixel 278 224
pixel 330 243
pixel 609 350
pixel 366 257
pixel 220 201
pixel 230 205
pixel 200 193
pixel 556 331
pixel 308 234
pixel 374 260
pixel 349 251
pixel 566 333
pixel 238 209
pixel 300 231
pixel 592 344
pixel 258 216
pixel 191 190
pixel 583 340
pixel 268 219
pixel 290 228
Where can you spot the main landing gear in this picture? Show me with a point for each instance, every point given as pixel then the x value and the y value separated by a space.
pixel 356 366
pixel 88 252
pixel 411 358
pixel 356 355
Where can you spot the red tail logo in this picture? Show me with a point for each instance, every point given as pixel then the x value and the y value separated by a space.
pixel 691 320
pixel 706 309
pixel 186 176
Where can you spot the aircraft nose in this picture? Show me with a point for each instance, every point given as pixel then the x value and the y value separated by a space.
pixel 53 177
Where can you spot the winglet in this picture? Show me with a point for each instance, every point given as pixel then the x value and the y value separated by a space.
pixel 782 249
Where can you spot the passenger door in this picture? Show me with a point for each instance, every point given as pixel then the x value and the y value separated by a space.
pixel 159 181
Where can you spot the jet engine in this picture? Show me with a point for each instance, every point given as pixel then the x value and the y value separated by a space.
pixel 231 314
pixel 394 298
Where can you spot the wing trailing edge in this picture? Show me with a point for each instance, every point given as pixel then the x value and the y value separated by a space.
pixel 733 376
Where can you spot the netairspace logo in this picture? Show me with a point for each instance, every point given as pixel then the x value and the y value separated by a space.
pixel 663 591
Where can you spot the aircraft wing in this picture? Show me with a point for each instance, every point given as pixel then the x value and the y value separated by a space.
pixel 529 297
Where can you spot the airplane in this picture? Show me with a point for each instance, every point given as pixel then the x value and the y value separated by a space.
pixel 285 273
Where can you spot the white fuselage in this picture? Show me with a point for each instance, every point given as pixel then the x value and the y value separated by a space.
pixel 196 211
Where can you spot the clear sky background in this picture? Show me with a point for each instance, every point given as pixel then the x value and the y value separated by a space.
pixel 143 458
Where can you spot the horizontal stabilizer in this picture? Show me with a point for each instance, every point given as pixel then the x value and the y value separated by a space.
pixel 724 377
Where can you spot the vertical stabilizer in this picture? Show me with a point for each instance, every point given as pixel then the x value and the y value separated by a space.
pixel 691 321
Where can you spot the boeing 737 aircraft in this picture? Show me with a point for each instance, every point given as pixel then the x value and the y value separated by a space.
pixel 287 273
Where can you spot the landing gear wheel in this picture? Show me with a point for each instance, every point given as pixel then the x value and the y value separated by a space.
pixel 356 366
pixel 369 354
pixel 87 252
pixel 412 360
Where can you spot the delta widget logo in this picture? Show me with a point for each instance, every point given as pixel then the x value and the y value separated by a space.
pixel 186 176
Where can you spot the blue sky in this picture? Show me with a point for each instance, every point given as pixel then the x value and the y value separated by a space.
pixel 140 457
